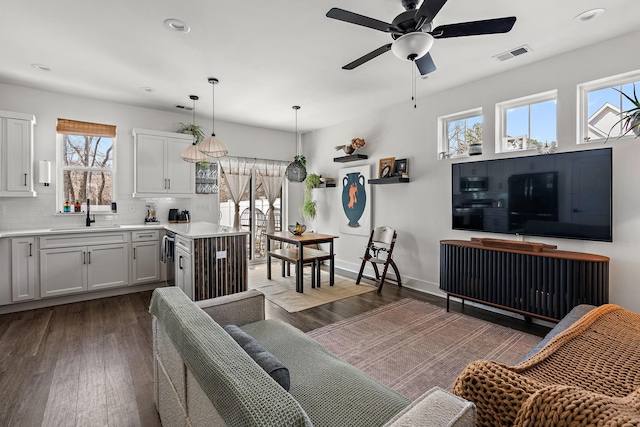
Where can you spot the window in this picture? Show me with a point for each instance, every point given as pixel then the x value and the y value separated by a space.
pixel 601 104
pixel 525 122
pixel 458 131
pixel 86 166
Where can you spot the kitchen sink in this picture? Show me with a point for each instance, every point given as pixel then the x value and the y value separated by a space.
pixel 93 227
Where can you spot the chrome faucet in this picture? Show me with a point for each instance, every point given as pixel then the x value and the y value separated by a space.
pixel 89 220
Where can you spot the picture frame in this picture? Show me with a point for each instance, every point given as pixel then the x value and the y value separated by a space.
pixel 386 167
pixel 401 167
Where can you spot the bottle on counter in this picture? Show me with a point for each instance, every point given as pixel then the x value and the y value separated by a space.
pixel 67 206
pixel 77 207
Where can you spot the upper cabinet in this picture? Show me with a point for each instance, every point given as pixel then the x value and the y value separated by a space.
pixel 16 154
pixel 158 168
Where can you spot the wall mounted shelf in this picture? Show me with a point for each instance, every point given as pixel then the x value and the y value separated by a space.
pixel 351 158
pixel 389 180
pixel 326 185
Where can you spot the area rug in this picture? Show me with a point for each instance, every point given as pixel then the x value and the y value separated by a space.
pixel 412 346
pixel 282 290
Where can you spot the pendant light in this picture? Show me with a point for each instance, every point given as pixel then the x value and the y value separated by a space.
pixel 191 154
pixel 213 146
pixel 296 171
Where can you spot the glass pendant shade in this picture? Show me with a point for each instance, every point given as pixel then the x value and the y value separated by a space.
pixel 296 172
pixel 213 147
pixel 192 155
pixel 412 45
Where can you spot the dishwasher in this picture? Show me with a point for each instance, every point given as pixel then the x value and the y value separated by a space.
pixel 168 256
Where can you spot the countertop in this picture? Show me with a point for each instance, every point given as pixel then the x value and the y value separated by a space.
pixel 192 230
pixel 202 230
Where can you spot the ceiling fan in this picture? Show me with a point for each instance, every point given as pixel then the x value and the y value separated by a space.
pixel 413 32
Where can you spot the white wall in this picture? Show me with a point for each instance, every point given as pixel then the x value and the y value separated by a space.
pixel 49 106
pixel 421 210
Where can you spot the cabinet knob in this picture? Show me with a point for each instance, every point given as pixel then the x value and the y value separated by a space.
pixel 134 253
pixel 180 262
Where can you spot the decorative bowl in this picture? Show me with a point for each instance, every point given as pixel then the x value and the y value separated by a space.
pixel 326 179
pixel 297 229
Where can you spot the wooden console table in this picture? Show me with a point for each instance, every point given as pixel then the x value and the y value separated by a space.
pixel 544 283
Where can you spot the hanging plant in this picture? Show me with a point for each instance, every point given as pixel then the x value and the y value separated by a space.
pixel 309 206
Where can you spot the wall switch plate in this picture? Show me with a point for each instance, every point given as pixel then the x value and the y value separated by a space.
pixel 221 254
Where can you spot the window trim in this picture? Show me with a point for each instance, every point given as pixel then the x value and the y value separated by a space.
pixel 104 209
pixel 443 136
pixel 501 116
pixel 582 121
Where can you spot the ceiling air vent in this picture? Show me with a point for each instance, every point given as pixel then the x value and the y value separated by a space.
pixel 182 107
pixel 513 53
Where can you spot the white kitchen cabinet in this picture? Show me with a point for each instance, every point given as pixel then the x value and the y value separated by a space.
pixel 72 263
pixel 184 271
pixel 145 262
pixel 158 168
pixel 16 154
pixel 107 266
pixel 63 271
pixel 23 269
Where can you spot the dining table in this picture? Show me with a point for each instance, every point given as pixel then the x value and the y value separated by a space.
pixel 301 240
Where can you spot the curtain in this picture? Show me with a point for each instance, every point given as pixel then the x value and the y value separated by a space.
pixel 272 175
pixel 237 173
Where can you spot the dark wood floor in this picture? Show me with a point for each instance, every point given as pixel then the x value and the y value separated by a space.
pixel 89 363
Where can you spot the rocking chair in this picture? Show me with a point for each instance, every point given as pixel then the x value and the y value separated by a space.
pixel 379 251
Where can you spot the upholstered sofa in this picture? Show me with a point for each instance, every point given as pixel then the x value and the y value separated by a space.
pixel 204 377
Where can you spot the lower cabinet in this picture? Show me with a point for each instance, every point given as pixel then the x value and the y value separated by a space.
pixel 184 271
pixel 23 269
pixel 145 264
pixel 80 268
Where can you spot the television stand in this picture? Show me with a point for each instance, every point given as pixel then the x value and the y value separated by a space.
pixel 540 282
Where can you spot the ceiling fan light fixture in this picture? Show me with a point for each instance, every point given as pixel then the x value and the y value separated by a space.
pixel 412 45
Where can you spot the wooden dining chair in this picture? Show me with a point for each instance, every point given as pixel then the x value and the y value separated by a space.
pixel 379 252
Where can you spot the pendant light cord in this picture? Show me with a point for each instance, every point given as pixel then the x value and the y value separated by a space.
pixel 413 83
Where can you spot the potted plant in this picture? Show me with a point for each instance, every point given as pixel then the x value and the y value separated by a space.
pixel 630 118
pixel 197 132
pixel 309 206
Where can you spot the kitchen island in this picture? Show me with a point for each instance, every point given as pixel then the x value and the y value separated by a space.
pixel 210 260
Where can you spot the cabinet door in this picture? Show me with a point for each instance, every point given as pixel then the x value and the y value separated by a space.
pixel 107 266
pixel 23 269
pixel 63 271
pixel 150 164
pixel 145 265
pixel 18 155
pixel 184 278
pixel 180 174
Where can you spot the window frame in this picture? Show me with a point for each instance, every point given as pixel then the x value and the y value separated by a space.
pixel 501 118
pixel 583 90
pixel 60 168
pixel 444 149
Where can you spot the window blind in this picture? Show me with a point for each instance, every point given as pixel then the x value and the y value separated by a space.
pixel 75 127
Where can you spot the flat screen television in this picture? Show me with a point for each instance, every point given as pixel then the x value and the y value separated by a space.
pixel 566 195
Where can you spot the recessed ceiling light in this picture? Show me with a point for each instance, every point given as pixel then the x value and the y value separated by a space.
pixel 41 67
pixel 589 15
pixel 146 89
pixel 177 25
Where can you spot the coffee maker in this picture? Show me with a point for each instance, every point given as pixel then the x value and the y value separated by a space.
pixel 173 215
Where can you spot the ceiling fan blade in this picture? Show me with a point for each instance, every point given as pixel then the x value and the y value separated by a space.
pixel 365 21
pixel 427 11
pixel 474 28
pixel 368 57
pixel 425 64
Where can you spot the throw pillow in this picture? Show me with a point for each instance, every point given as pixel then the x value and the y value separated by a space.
pixel 267 361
